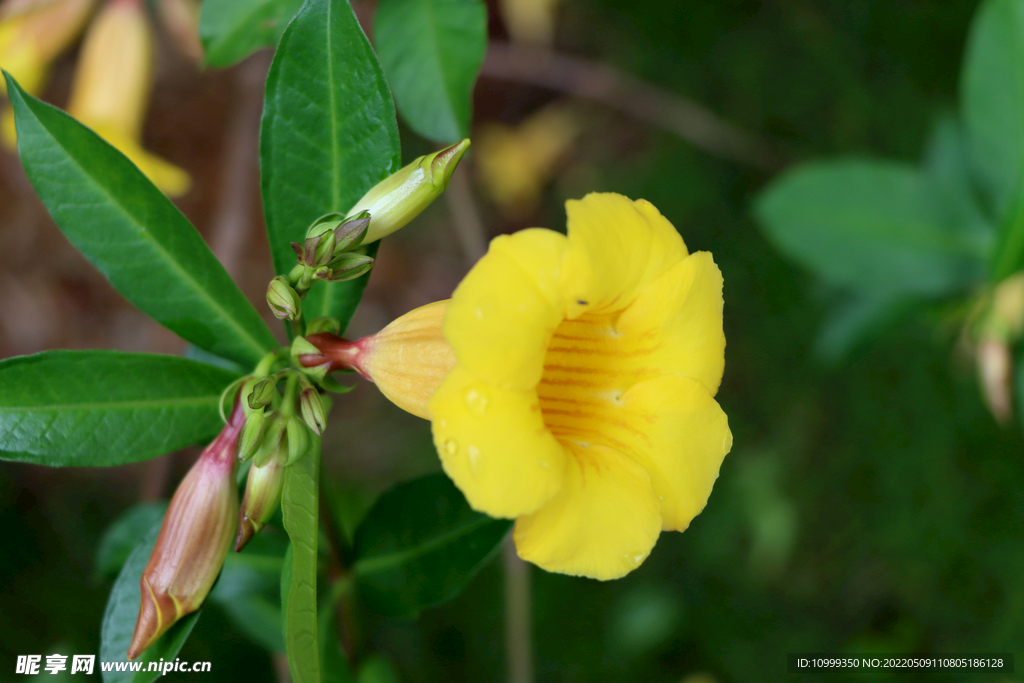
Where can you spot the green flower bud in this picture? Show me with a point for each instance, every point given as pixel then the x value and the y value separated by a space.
pixel 262 497
pixel 272 443
pixel 298 439
pixel 324 224
pixel 251 433
pixel 400 197
pixel 349 266
pixel 349 234
pixel 318 251
pixel 311 406
pixel 284 302
pixel 263 393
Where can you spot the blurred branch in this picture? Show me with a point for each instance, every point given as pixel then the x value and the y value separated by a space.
pixel 469 228
pixel 239 167
pixel 518 617
pixel 605 84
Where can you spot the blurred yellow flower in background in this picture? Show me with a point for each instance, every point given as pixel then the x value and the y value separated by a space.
pixel 516 163
pixel 112 87
pixel 530 21
pixel 32 34
pixel 581 402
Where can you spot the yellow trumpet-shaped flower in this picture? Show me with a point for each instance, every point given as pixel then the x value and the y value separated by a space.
pixel 582 401
pixel 112 87
pixel 570 381
pixel 32 34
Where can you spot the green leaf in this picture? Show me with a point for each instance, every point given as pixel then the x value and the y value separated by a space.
pixel 420 545
pixel 992 99
pixel 431 51
pixel 100 408
pixel 122 611
pixel 231 30
pixel 121 537
pixel 258 618
pixel 329 134
pixel 872 225
pixel 947 165
pixel 299 506
pixel 133 234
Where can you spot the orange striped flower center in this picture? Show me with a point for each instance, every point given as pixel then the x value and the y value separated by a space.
pixel 588 366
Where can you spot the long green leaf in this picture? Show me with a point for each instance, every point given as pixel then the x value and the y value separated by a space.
pixel 329 134
pixel 133 234
pixel 231 30
pixel 992 98
pixel 431 51
pixel 872 225
pixel 420 545
pixel 122 611
pixel 299 506
pixel 99 408
pixel 123 534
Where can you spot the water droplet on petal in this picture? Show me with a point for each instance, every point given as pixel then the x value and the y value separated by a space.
pixel 451 446
pixel 474 457
pixel 477 402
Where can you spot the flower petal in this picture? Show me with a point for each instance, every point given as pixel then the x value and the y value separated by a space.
pixel 682 310
pixel 494 445
pixel 503 313
pixel 602 524
pixel 685 438
pixel 616 248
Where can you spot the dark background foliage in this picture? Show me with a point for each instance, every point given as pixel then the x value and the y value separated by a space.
pixel 868 505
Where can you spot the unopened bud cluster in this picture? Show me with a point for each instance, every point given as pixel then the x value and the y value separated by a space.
pixel 280 404
pixel 334 248
pixel 276 434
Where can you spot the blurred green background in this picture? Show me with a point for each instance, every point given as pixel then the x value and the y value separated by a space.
pixel 869 505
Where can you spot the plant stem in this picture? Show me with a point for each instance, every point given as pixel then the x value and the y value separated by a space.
pixel 518 616
pixel 1008 255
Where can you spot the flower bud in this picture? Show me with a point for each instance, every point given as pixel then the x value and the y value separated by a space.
pixel 181 19
pixel 311 406
pixel 251 434
pixel 298 439
pixel 995 370
pixel 284 302
pixel 348 266
pixel 326 223
pixel 112 85
pixel 32 34
pixel 193 540
pixel 263 393
pixel 262 496
pixel 400 197
pixel 406 360
pixel 273 443
pixel 351 232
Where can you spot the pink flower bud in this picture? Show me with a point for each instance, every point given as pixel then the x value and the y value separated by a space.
pixel 194 539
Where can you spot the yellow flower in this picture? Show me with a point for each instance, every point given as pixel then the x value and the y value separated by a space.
pixel 517 163
pixel 581 403
pixel 32 34
pixel 112 86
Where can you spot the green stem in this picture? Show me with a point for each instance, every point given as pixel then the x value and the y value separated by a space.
pixel 1008 256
